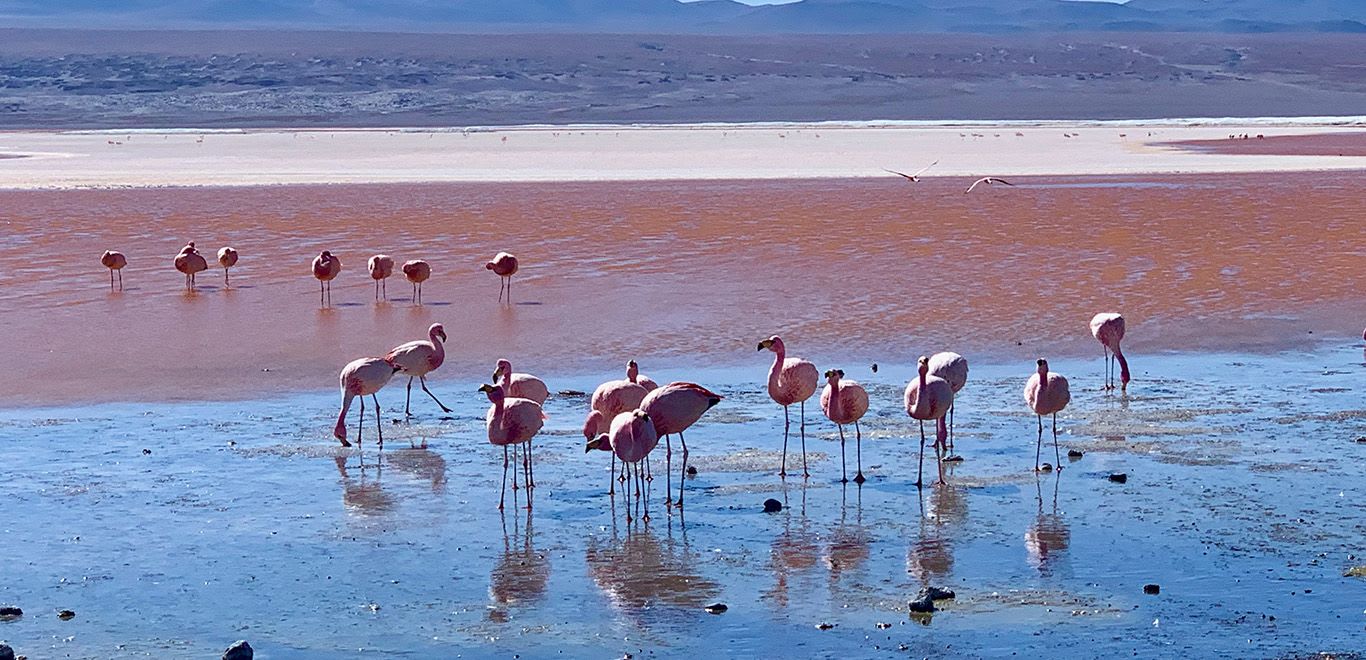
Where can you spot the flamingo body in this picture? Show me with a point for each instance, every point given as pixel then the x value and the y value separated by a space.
pixel 505 266
pixel 521 385
pixel 1046 393
pixel 363 377
pixel 928 398
pixel 419 358
pixel 114 261
pixel 1108 329
pixel 227 258
pixel 512 421
pixel 672 409
pixel 845 402
pixel 790 380
pixel 633 436
pixel 326 267
pixel 951 367
pixel 381 266
pixel 615 397
pixel 417 271
pixel 190 262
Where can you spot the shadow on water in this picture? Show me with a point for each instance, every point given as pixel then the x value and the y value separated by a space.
pixel 521 574
pixel 1048 536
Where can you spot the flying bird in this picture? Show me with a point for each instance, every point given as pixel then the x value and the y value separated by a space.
pixel 989 180
pixel 913 178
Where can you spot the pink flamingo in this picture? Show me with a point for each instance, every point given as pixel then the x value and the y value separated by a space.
pixel 1108 328
pixel 505 265
pixel 325 268
pixel 929 397
pixel 633 374
pixel 419 358
pixel 525 386
pixel 790 380
pixel 611 399
pixel 673 408
pixel 190 262
pixel 845 402
pixel 114 261
pixel 381 266
pixel 362 377
pixel 1046 393
pixel 595 427
pixel 417 271
pixel 954 368
pixel 632 436
pixel 227 258
pixel 512 421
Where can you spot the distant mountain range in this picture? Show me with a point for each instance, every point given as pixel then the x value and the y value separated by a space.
pixel 701 17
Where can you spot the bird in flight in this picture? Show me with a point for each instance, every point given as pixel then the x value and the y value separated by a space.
pixel 913 178
pixel 989 180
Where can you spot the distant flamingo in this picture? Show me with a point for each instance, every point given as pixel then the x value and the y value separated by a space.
pixel 790 380
pixel 381 267
pixel 1108 328
pixel 954 368
pixel 633 374
pixel 928 398
pixel 362 377
pixel 525 386
pixel 505 265
pixel 845 402
pixel 632 436
pixel 988 180
pixel 417 271
pixel 190 262
pixel 325 268
pixel 227 258
pixel 673 408
pixel 512 421
pixel 114 261
pixel 1046 394
pixel 419 358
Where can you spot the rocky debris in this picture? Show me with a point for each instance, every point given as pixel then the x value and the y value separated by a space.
pixel 716 608
pixel 8 612
pixel 1046 467
pixel 953 459
pixel 924 601
pixel 1119 477
pixel 1362 439
pixel 883 626
pixel 1074 453
pixel 937 593
pixel 1152 589
pixel 772 506
pixel 1355 571
pixel 874 367
pixel 6 653
pixel 692 470
pixel 571 393
pixel 146 452
pixel 240 650
pixel 66 615
pixel 824 626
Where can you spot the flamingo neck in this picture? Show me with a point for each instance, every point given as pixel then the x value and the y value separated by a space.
pixel 779 354
pixel 1123 366
pixel 632 372
pixel 836 402
pixel 440 347
pixel 340 430
pixel 1043 378
pixel 499 419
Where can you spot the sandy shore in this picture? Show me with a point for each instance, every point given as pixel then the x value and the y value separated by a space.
pixel 631 153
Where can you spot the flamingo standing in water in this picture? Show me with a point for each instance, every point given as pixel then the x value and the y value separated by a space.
pixel 1108 329
pixel 512 421
pixel 633 374
pixel 928 398
pixel 227 258
pixel 595 426
pixel 521 385
pixel 632 436
pixel 954 368
pixel 673 408
pixel 419 358
pixel 362 377
pixel 381 267
pixel 114 261
pixel 189 262
pixel 325 268
pixel 845 402
pixel 1046 393
pixel 790 380
pixel 417 271
pixel 505 265
pixel 609 400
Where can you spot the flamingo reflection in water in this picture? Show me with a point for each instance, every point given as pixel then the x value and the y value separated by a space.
pixel 930 556
pixel 642 575
pixel 849 543
pixel 794 552
pixel 522 573
pixel 361 496
pixel 1048 536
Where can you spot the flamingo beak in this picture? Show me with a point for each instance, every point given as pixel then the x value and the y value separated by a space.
pixel 486 388
pixel 595 443
pixel 765 344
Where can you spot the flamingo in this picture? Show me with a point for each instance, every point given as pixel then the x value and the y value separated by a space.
pixel 595 426
pixel 845 402
pixel 525 386
pixel 381 267
pixel 912 178
pixel 790 380
pixel 190 262
pixel 1108 329
pixel 1046 394
pixel 325 268
pixel 673 408
pixel 114 261
pixel 632 436
pixel 419 358
pixel 954 368
pixel 417 271
pixel 929 397
pixel 512 421
pixel 362 377
pixel 611 399
pixel 633 374
pixel 227 258
pixel 989 180
pixel 505 265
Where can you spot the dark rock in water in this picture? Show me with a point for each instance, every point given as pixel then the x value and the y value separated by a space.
pixel 874 367
pixel 1362 439
pixel 1074 453
pixel 571 393
pixel 936 593
pixel 10 612
pixel 824 626
pixel 953 459
pixel 692 470
pixel 1046 467
pixel 6 653
pixel 1119 477
pixel 883 626
pixel 922 603
pixel 66 615
pixel 772 506
pixel 240 650
pixel 146 452
pixel 716 608
pixel 1152 589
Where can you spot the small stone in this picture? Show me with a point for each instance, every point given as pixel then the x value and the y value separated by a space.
pixel 146 452
pixel 883 626
pixel 8 612
pixel 824 626
pixel 1074 453
pixel 874 367
pixel 1152 589
pixel 1362 439
pixel 692 470
pixel 922 603
pixel 716 608
pixel 1355 571
pixel 937 593
pixel 953 459
pixel 1046 467
pixel 1119 477
pixel 572 393
pixel 772 506
pixel 240 650
pixel 6 653
pixel 374 607
pixel 66 615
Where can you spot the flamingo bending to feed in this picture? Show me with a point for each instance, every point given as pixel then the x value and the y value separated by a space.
pixel 1108 329
pixel 609 400
pixel 227 258
pixel 381 266
pixel 419 358
pixel 325 268
pixel 633 374
pixel 189 262
pixel 790 380
pixel 360 378
pixel 505 265
pixel 417 271
pixel 595 427
pixel 512 421
pixel 954 368
pixel 928 398
pixel 673 408
pixel 632 436
pixel 845 402
pixel 521 385
pixel 114 261
pixel 1046 393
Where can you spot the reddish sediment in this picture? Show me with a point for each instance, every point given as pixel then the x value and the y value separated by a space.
pixel 1244 144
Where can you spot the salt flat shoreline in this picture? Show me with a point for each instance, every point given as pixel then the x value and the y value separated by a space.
pixel 151 158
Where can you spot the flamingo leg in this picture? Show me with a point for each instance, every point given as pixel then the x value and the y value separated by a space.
pixel 423 380
pixel 805 473
pixel 360 425
pixel 920 471
pixel 530 467
pixel 858 451
pixel 950 449
pixel 514 471
pixel 111 279
pixel 500 299
pixel 386 289
pixel 1056 456
pixel 626 492
pixel 648 475
pixel 683 475
pixel 612 478
pixel 526 466
pixel 320 294
pixel 941 444
pixel 844 473
pixel 225 278
pixel 504 491
pixel 376 290
pixel 120 280
pixel 408 399
pixel 509 289
pixel 1039 444
pixel 787 426
pixel 668 470
pixel 378 428
pixel 646 499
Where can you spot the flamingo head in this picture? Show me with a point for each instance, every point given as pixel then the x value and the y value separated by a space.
pixel 437 330
pixel 503 367
pixel 632 370
pixel 494 392
pixel 834 375
pixel 1043 366
pixel 326 254
pixel 923 365
pixel 591 425
pixel 774 343
pixel 489 266
pixel 600 442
